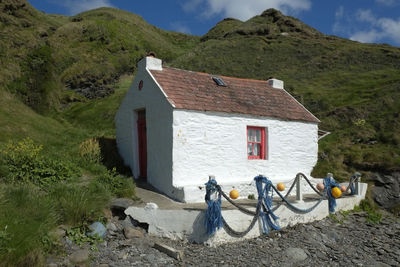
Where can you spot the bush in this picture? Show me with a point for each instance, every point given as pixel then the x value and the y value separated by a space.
pixel 77 204
pixel 117 184
pixel 373 215
pixel 23 163
pixel 90 150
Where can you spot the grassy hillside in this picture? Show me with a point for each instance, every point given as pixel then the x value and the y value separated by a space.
pixel 47 54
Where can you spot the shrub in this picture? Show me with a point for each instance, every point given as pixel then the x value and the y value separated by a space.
pixel 79 236
pixel 117 184
pixel 23 163
pixel 373 215
pixel 90 150
pixel 77 204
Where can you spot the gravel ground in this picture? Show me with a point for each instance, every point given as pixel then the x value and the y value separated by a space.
pixel 344 240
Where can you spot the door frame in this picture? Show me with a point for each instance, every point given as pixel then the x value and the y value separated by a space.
pixel 142 142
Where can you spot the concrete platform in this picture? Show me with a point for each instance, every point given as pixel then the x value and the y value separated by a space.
pixel 175 220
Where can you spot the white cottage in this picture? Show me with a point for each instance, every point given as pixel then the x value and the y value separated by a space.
pixel 176 127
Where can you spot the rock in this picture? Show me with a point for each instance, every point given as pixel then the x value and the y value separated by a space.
pixel 151 206
pixel 79 256
pixel 121 203
pixel 333 236
pixel 127 222
pixel 176 254
pixel 58 233
pixel 97 228
pixel 131 232
pixel 107 213
pixel 111 226
pixel 295 254
pixel 386 191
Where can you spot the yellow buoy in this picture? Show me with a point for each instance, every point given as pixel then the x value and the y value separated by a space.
pixel 234 194
pixel 336 192
pixel 280 186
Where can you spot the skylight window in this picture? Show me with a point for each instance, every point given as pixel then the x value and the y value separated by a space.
pixel 219 81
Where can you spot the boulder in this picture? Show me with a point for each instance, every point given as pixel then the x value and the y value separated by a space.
pixel 130 232
pixel 386 191
pixel 97 228
pixel 295 254
pixel 121 204
pixel 79 256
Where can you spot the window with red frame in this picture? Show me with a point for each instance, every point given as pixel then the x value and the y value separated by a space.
pixel 256 140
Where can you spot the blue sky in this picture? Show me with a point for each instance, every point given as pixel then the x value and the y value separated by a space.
pixel 368 21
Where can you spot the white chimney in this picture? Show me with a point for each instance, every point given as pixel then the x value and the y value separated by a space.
pixel 150 63
pixel 275 83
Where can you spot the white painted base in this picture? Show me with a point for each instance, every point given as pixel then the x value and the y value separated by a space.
pixel 189 224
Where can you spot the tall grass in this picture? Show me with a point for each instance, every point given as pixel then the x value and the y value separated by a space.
pixel 77 204
pixel 26 217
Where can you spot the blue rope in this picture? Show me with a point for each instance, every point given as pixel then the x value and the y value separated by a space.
pixel 265 194
pixel 330 183
pixel 213 217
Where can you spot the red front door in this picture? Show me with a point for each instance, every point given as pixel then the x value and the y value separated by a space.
pixel 141 125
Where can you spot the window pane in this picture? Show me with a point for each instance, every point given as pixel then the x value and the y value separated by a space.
pixel 250 149
pixel 256 149
pixel 250 135
pixel 258 135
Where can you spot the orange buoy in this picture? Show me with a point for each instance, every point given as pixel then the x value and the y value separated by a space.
pixel 234 194
pixel 336 192
pixel 343 188
pixel 280 186
pixel 320 186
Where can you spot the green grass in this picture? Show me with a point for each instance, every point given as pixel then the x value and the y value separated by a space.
pixel 27 216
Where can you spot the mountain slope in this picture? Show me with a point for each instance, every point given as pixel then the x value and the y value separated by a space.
pixel 46 54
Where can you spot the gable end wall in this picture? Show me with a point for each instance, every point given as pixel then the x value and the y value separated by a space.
pixel 159 132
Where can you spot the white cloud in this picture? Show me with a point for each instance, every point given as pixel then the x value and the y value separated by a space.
pixel 244 10
pixel 388 2
pixel 78 6
pixel 180 27
pixel 337 26
pixel 191 5
pixel 364 26
pixel 365 15
pixel 391 28
pixel 371 36
pixel 379 28
pixel 339 12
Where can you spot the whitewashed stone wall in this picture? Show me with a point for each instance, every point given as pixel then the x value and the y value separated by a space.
pixel 159 130
pixel 207 143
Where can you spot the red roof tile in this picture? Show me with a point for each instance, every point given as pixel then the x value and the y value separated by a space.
pixel 197 91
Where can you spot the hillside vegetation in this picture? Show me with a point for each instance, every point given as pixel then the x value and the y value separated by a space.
pixel 63 78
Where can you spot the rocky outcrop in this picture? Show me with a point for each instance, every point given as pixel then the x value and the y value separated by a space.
pixel 387 189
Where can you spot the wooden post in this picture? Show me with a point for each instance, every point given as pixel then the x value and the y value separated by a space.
pixel 299 194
